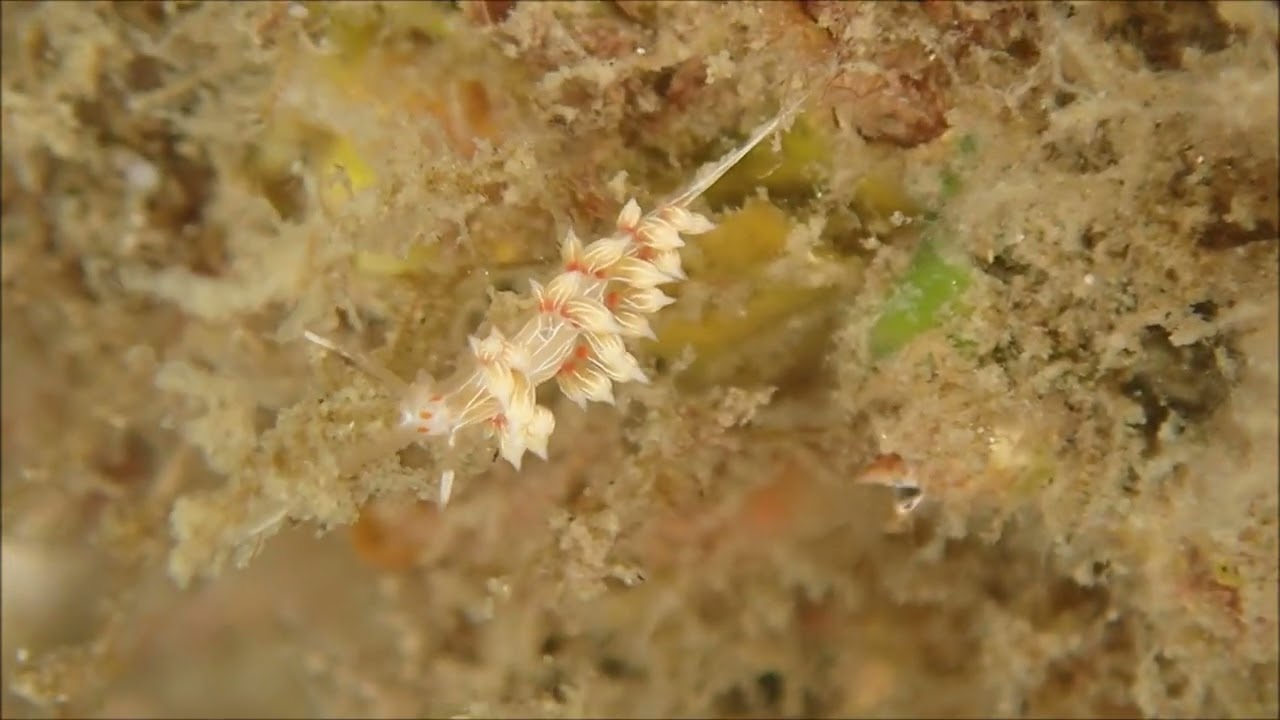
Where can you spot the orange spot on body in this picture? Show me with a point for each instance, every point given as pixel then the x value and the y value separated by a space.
pixel 424 414
pixel 582 352
pixel 611 299
pixel 645 252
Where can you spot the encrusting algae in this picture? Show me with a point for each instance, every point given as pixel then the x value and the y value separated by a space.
pixel 955 395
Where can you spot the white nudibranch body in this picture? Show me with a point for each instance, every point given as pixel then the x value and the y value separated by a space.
pixel 606 292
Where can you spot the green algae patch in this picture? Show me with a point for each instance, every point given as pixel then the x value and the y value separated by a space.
pixel 921 300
